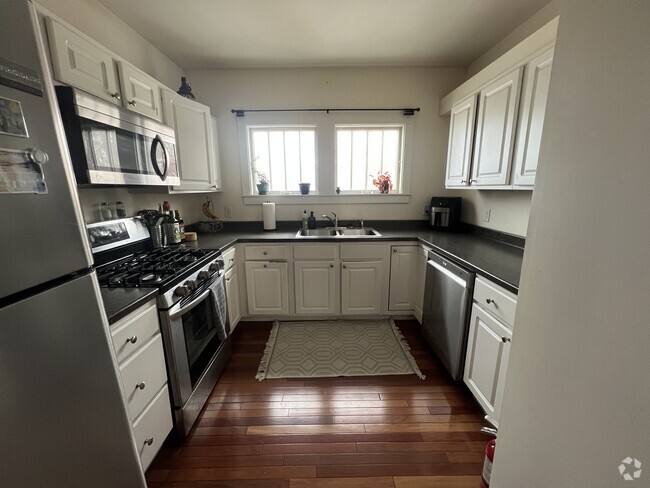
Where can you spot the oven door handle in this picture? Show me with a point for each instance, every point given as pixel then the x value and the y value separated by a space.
pixel 179 313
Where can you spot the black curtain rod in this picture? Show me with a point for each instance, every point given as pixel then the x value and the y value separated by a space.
pixel 405 111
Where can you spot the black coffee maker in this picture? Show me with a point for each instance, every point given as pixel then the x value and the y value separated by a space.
pixel 444 213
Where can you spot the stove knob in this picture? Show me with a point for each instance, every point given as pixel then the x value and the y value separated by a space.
pixel 204 275
pixel 181 291
pixel 214 267
pixel 191 284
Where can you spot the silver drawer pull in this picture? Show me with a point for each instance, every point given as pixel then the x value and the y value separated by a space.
pixel 141 385
pixel 132 340
pixel 505 339
pixel 489 300
pixel 132 103
pixel 116 96
pixel 149 441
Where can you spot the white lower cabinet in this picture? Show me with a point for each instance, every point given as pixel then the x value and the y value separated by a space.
pixel 488 348
pixel 232 297
pixel 138 345
pixel 403 268
pixel 361 287
pixel 267 285
pixel 316 287
pixel 421 271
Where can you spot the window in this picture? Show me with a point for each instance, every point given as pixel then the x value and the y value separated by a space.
pixel 327 150
pixel 286 156
pixel 363 152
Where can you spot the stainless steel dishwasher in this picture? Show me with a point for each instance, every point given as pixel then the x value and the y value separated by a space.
pixel 447 304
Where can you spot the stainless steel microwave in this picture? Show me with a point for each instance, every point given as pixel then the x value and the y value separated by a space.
pixel 112 146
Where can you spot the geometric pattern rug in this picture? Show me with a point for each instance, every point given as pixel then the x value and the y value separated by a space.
pixel 329 348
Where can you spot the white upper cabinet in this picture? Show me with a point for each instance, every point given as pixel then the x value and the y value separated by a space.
pixel 194 142
pixel 140 92
pixel 495 131
pixel 82 63
pixel 461 137
pixel 216 161
pixel 537 78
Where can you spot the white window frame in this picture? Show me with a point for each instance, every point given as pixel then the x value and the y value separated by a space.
pixel 325 125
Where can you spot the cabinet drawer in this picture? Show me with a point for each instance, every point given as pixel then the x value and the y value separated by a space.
pixel 229 258
pixel 316 252
pixel 497 301
pixel 135 330
pixel 147 368
pixel 266 253
pixel 362 252
pixel 151 429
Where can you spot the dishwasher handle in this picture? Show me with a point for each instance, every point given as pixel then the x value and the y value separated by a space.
pixel 448 273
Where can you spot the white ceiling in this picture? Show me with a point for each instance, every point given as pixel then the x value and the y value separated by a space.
pixel 255 33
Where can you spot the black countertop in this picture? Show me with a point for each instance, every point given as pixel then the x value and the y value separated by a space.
pixel 119 302
pixel 497 261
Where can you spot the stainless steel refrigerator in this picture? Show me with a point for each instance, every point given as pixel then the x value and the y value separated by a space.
pixel 63 422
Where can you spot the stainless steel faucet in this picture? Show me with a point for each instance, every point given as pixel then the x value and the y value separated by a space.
pixel 361 223
pixel 335 221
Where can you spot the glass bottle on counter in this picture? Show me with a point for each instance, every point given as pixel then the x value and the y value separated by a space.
pixel 181 224
pixel 172 229
pixel 120 210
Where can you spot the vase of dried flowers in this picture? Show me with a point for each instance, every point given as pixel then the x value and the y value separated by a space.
pixel 383 182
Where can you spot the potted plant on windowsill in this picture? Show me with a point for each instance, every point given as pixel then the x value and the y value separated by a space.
pixel 383 182
pixel 262 182
pixel 304 188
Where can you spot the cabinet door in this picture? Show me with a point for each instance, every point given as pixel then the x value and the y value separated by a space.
pixel 232 297
pixel 461 137
pixel 193 125
pixel 140 92
pixel 81 63
pixel 361 287
pixel 267 285
pixel 421 269
pixel 403 270
pixel 216 160
pixel 495 126
pixel 537 78
pixel 486 363
pixel 316 290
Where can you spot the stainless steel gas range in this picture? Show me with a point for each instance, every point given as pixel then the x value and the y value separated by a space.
pixel 191 306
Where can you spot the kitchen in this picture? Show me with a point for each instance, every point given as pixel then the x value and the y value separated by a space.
pixel 557 351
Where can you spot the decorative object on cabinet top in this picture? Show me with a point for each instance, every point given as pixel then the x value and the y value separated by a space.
pixel 185 90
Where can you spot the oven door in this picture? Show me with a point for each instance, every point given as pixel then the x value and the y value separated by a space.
pixel 190 329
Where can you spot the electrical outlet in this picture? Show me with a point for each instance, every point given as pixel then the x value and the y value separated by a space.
pixel 427 209
pixel 228 212
pixel 486 215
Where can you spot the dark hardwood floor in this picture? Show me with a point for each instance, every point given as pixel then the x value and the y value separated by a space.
pixel 375 432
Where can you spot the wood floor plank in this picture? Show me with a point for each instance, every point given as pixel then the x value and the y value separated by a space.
pixel 246 473
pixel 401 419
pixel 245 450
pixel 412 446
pixel 423 427
pixel 222 484
pixel 306 429
pixel 305 448
pixel 437 481
pixel 365 458
pixel 296 397
pixel 385 482
pixel 331 403
pixel 437 469
pixel 465 457
pixel 227 414
pixel 239 421
pixel 225 461
pixel 303 412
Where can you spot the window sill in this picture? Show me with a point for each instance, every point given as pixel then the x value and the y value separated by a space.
pixel 329 199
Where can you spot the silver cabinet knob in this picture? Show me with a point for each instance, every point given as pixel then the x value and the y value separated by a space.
pixel 227 280
pixel 132 103
pixel 345 266
pixel 266 265
pixel 149 441
pixel 489 300
pixel 141 385
pixel 463 181
pixel 331 265
pixel 473 181
pixel 505 339
pixel 265 253
pixel 116 96
pixel 132 340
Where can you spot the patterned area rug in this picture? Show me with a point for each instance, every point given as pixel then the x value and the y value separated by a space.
pixel 316 349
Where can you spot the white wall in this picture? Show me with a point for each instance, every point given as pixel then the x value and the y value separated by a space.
pixel 223 90
pixel 542 17
pixel 577 392
pixel 96 21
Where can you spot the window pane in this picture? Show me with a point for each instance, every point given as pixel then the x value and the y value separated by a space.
pixel 343 159
pixel 364 152
pixel 286 156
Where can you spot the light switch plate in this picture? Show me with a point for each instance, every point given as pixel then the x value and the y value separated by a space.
pixel 228 212
pixel 486 215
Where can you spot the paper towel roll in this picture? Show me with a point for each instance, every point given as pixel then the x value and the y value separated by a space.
pixel 268 215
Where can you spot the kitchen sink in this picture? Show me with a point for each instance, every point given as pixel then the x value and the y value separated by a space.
pixel 367 231
pixel 338 232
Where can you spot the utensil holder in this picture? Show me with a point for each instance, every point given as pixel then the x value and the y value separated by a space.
pixel 157 236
